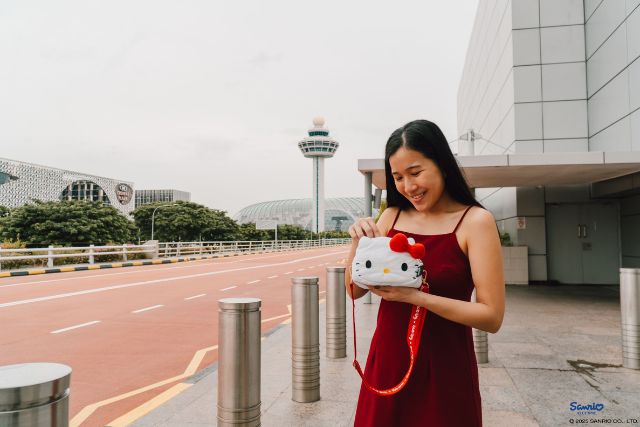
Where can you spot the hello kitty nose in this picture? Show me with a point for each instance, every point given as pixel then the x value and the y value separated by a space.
pixel 386 270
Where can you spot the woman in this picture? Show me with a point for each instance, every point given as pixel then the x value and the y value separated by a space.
pixel 429 200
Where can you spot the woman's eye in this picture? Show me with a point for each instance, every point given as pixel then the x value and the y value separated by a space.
pixel 368 264
pixel 416 173
pixel 404 266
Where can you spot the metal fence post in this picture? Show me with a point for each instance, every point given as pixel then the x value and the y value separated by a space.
pixel 34 394
pixel 0 258
pixel 239 362
pixel 50 256
pixel 91 255
pixel 630 312
pixel 480 341
pixel 124 252
pixel 336 313
pixel 305 340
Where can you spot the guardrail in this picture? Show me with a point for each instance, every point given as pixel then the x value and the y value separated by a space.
pixel 154 249
pixel 170 249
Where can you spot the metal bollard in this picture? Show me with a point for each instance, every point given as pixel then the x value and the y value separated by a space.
pixel 630 311
pixel 366 299
pixel 34 394
pixel 480 341
pixel 239 362
pixel 91 254
pixel 305 340
pixel 336 313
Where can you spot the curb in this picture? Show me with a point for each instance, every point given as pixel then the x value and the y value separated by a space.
pixel 112 265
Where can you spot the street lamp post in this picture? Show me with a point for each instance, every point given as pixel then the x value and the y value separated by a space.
pixel 153 217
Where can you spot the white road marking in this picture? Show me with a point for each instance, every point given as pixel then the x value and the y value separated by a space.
pixel 194 297
pixel 272 277
pixel 153 307
pixel 151 282
pixel 300 269
pixel 82 325
pixel 253 281
pixel 226 289
pixel 289 272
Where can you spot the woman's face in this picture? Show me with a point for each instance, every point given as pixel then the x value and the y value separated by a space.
pixel 417 178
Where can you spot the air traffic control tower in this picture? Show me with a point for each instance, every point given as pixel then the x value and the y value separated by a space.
pixel 318 146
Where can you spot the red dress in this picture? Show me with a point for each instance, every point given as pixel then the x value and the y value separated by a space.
pixel 443 388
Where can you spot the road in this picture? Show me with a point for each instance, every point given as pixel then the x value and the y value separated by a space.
pixel 129 334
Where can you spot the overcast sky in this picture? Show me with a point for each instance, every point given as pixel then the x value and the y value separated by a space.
pixel 211 97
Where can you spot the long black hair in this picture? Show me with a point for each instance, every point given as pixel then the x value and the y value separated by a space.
pixel 426 138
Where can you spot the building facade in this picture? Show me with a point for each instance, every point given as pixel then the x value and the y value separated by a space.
pixel 21 183
pixel 559 79
pixel 144 197
pixel 339 213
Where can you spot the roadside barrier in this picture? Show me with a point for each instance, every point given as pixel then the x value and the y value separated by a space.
pixel 239 361
pixel 336 320
pixel 34 394
pixel 630 313
pixel 305 340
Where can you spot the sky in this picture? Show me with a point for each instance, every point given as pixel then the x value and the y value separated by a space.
pixel 212 97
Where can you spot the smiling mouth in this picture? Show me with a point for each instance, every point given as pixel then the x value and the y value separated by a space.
pixel 418 197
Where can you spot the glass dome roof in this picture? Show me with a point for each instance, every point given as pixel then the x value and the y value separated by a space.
pixel 339 212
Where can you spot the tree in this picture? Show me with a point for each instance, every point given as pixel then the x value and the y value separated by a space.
pixel 292 232
pixel 66 223
pixel 248 232
pixel 184 221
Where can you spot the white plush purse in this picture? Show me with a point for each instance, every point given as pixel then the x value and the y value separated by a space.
pixel 386 261
pixel 396 261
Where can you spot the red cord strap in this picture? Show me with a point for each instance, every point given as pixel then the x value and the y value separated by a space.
pixel 414 332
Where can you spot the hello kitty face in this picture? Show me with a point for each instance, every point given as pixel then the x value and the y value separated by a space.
pixel 388 262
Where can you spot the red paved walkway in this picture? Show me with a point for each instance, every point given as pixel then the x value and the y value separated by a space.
pixel 124 350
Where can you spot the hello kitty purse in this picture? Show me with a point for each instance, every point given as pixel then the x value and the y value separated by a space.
pixel 386 261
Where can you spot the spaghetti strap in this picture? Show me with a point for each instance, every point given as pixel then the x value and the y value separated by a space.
pixel 396 220
pixel 461 218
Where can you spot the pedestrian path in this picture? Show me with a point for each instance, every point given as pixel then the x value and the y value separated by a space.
pixel 559 347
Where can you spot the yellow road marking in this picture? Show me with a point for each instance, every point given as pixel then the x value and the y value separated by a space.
pixel 66 269
pixel 116 265
pixel 191 369
pixel 6 274
pixel 137 263
pixel 32 272
pixel 94 267
pixel 149 406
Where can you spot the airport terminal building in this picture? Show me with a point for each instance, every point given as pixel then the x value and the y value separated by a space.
pixel 144 197
pixel 549 132
pixel 339 213
pixel 21 183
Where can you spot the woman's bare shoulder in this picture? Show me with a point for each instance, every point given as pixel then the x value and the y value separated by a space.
pixel 479 219
pixel 386 219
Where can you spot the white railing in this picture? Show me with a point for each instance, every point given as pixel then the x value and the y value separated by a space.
pixel 170 249
pixel 160 250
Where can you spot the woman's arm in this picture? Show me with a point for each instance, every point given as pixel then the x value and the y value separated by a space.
pixel 365 227
pixel 485 258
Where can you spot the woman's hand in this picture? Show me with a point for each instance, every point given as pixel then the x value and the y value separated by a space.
pixel 364 227
pixel 396 293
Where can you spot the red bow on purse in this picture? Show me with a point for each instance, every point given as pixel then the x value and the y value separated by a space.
pixel 400 243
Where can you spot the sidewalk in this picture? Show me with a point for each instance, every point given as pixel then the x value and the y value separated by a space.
pixel 557 345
